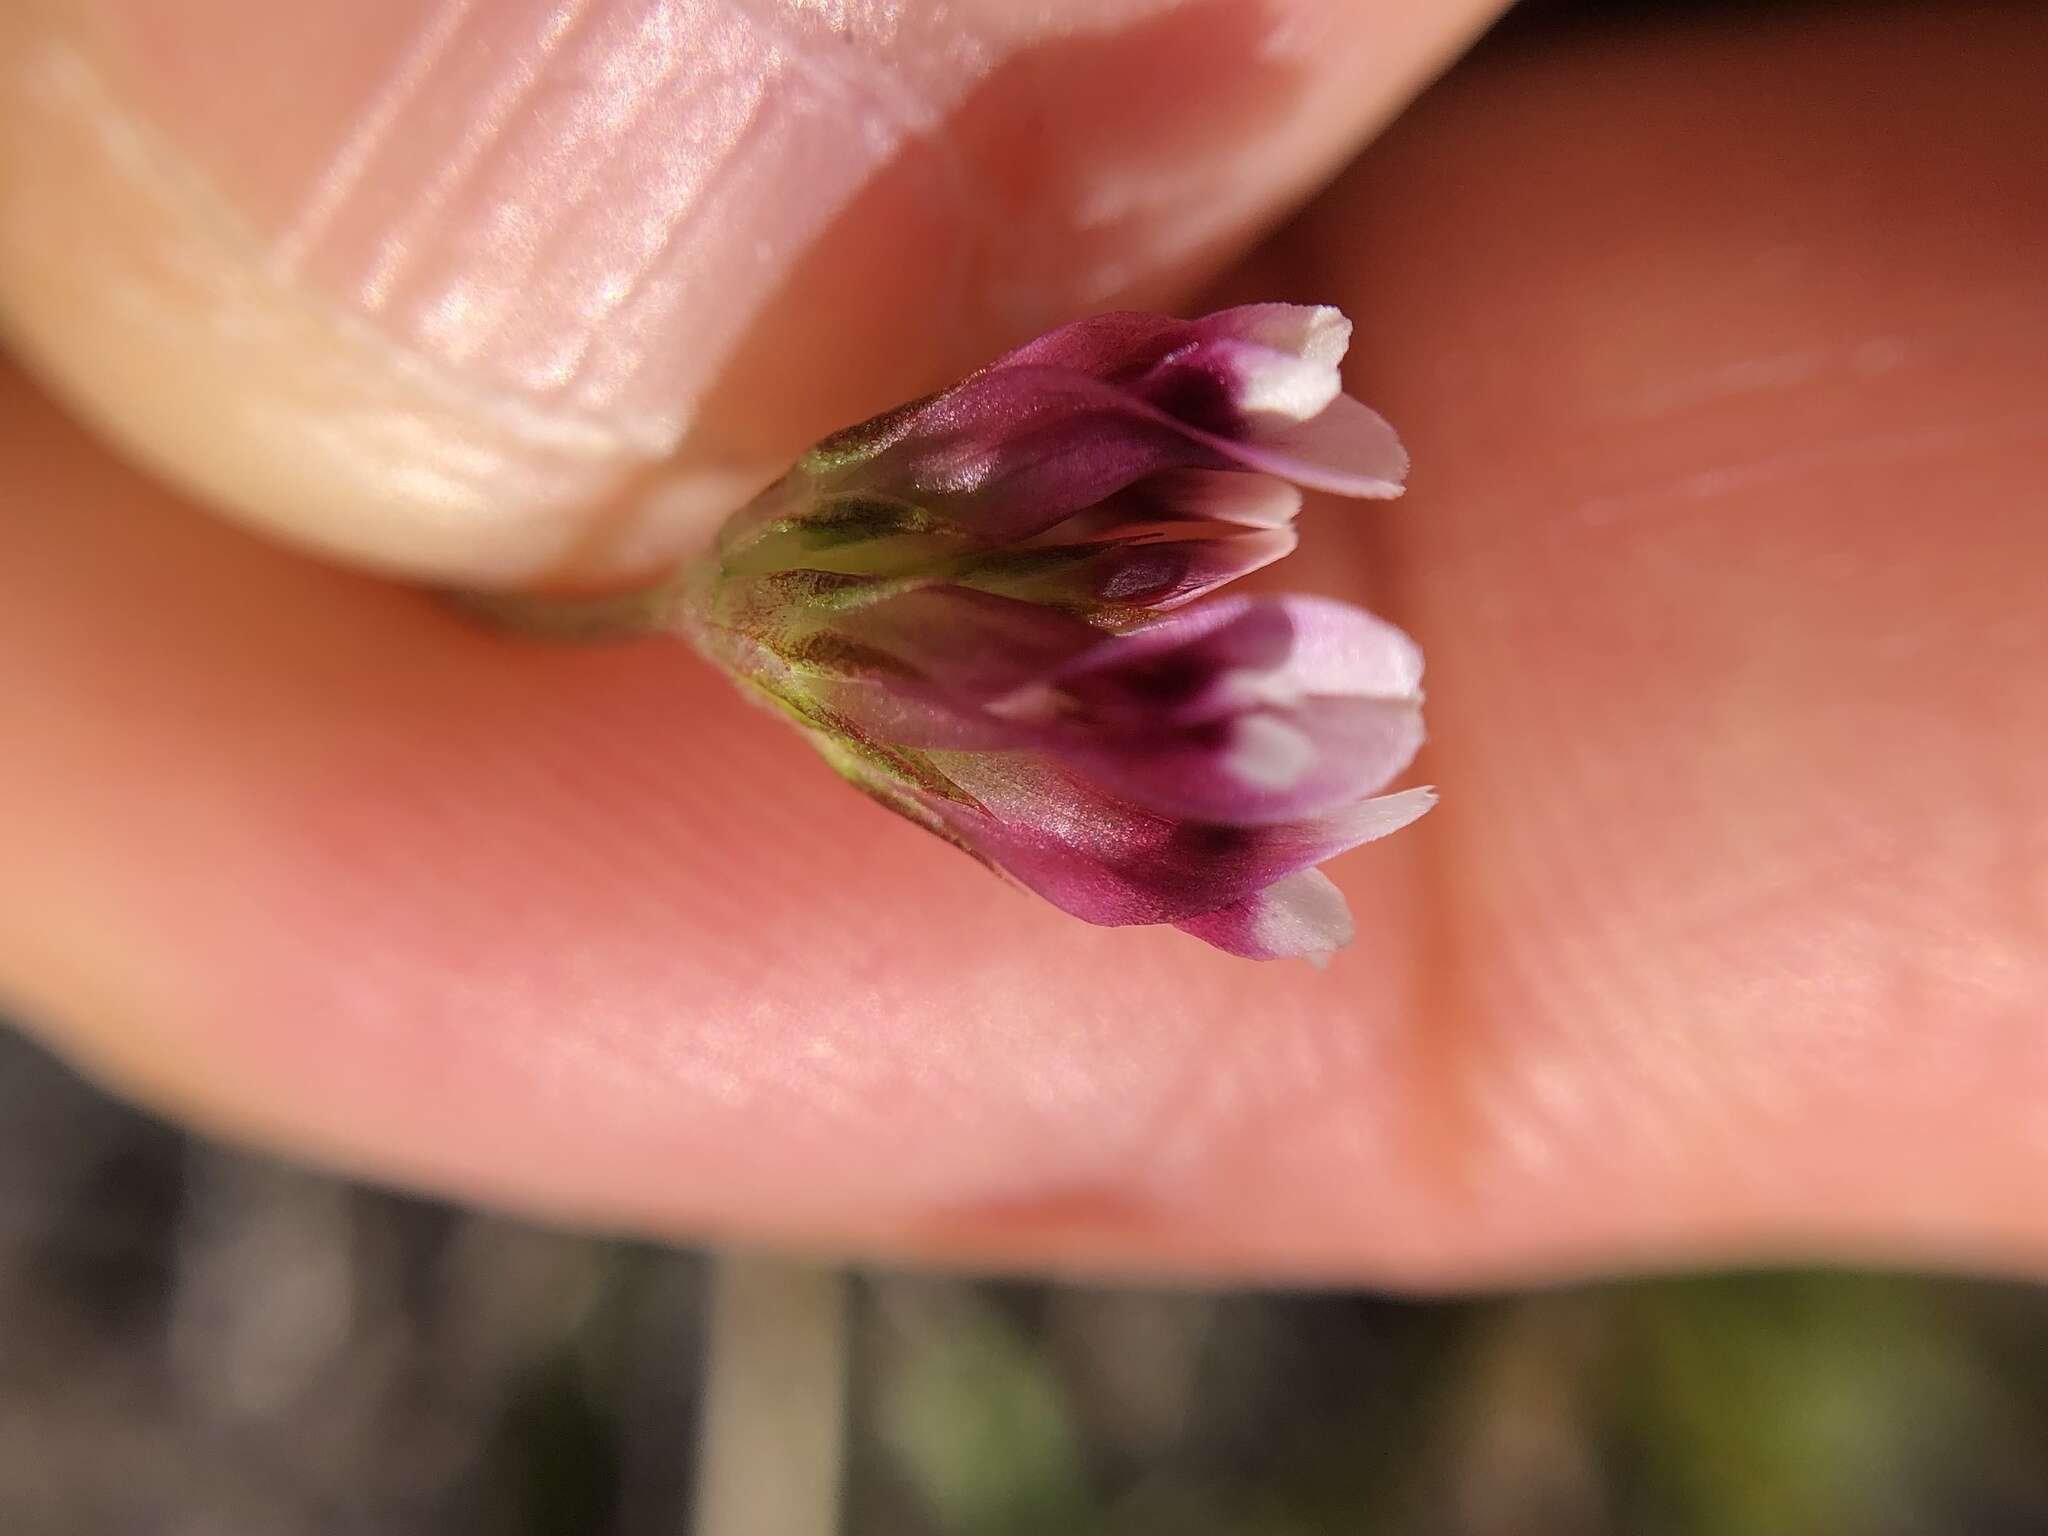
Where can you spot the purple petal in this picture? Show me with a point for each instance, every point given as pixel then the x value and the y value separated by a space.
pixel 1250 372
pixel 949 597
pixel 1122 344
pixel 1237 388
pixel 1187 501
pixel 1166 573
pixel 1248 711
pixel 1117 345
pixel 1242 652
pixel 1262 766
pixel 1224 496
pixel 1110 862
pixel 1348 449
pixel 920 668
pixel 972 646
pixel 957 666
pixel 1012 451
pixel 1063 423
pixel 914 714
pixel 1301 917
pixel 1154 571
pixel 1174 666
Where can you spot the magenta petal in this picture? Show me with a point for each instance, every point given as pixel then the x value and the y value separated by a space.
pixel 1163 574
pixel 1183 501
pixel 1107 346
pixel 966 601
pixel 914 714
pixel 1224 496
pixel 920 668
pixel 1249 372
pixel 1303 916
pixel 1013 451
pixel 974 646
pixel 1247 712
pixel 1154 571
pixel 1264 389
pixel 1178 661
pixel 1263 766
pixel 1239 653
pixel 1110 862
pixel 1251 711
pixel 1120 344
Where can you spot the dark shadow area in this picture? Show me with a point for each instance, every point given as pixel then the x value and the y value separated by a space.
pixel 192 1339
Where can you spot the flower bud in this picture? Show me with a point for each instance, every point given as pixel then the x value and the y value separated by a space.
pixel 974 606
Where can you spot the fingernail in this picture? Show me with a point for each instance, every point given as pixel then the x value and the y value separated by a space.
pixel 536 194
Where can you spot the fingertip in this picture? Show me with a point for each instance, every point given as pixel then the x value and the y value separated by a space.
pixel 529 292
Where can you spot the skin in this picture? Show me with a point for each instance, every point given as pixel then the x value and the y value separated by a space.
pixel 1722 350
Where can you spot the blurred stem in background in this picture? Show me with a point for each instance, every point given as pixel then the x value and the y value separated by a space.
pixel 772 1443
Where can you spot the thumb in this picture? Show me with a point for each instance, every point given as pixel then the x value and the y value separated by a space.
pixel 533 290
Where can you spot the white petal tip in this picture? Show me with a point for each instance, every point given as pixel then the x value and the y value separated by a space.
pixel 1317 333
pixel 1282 387
pixel 1303 917
pixel 1382 815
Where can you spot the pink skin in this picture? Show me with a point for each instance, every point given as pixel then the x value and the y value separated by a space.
pixel 1721 353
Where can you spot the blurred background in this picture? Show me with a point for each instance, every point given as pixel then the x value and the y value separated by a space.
pixel 194 1340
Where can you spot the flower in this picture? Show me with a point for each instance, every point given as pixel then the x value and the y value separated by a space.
pixel 974 606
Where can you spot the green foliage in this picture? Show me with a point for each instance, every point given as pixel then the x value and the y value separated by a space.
pixel 983 1431
pixel 1760 1405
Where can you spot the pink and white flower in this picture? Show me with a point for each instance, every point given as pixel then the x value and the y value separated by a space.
pixel 974 605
